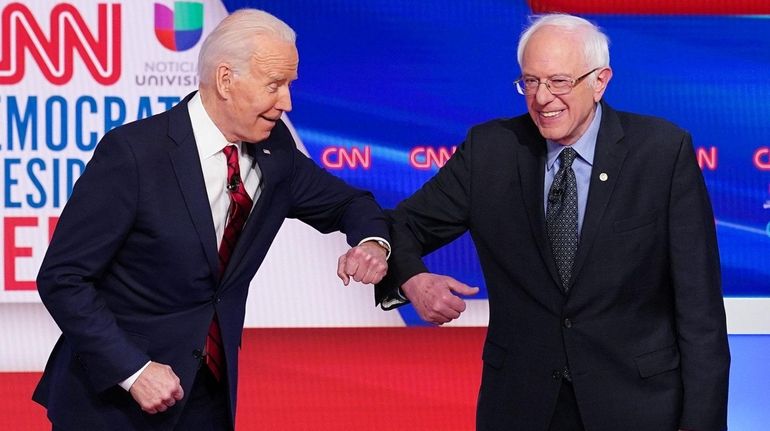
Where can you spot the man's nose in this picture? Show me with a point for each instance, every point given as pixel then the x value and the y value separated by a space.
pixel 284 100
pixel 543 94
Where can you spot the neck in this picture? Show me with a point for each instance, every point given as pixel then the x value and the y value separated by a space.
pixel 212 105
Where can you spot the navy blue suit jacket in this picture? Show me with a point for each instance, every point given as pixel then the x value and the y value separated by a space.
pixel 642 328
pixel 131 274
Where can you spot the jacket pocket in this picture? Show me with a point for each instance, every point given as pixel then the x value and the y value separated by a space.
pixel 494 354
pixel 658 361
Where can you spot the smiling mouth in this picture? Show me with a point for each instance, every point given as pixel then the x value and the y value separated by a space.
pixel 272 120
pixel 551 114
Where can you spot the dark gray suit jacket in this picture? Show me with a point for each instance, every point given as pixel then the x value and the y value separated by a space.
pixel 643 326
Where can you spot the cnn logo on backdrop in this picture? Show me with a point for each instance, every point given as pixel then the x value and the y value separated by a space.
pixel 53 45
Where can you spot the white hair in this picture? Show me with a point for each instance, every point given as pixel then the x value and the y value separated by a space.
pixel 233 40
pixel 596 50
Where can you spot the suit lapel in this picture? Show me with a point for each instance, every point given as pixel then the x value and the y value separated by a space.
pixel 532 174
pixel 187 167
pixel 610 153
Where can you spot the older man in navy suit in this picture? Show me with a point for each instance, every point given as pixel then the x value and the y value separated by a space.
pixel 148 270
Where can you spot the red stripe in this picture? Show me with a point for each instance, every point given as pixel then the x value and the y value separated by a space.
pixel 372 379
pixel 214 350
pixel 653 7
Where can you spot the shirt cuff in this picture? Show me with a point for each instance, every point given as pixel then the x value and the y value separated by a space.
pixel 381 241
pixel 396 300
pixel 126 384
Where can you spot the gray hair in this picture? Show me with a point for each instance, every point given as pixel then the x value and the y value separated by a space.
pixel 233 40
pixel 596 44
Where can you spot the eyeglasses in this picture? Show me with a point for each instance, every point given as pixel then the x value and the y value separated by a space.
pixel 559 85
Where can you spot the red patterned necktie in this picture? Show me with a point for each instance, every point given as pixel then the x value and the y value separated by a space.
pixel 240 206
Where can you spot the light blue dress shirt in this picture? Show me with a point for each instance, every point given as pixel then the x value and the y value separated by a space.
pixel 585 148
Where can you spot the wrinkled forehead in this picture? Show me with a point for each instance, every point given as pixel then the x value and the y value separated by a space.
pixel 266 47
pixel 273 55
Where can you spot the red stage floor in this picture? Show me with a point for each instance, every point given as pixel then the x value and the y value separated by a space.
pixel 366 379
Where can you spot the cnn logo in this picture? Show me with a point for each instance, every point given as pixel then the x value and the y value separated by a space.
pixel 68 33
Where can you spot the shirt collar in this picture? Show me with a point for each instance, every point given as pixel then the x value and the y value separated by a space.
pixel 585 145
pixel 208 138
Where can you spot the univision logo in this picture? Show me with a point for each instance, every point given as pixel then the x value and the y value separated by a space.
pixel 180 29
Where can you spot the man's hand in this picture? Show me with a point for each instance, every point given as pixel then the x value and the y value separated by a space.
pixel 433 296
pixel 157 388
pixel 365 263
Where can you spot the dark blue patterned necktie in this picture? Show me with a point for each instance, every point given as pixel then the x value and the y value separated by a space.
pixel 561 217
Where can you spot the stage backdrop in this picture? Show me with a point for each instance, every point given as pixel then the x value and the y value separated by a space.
pixel 386 90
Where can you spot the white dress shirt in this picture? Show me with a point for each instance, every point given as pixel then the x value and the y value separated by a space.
pixel 210 142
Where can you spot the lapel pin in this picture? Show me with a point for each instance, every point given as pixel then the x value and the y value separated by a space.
pixel 603 176
pixel 266 151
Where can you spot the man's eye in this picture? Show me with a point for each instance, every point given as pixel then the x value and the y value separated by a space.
pixel 531 82
pixel 560 82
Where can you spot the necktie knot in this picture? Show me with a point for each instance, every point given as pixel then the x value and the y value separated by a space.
pixel 566 157
pixel 231 154
pixel 233 167
pixel 231 151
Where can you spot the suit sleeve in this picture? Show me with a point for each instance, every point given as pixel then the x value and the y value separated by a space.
pixel 700 314
pixel 432 217
pixel 91 229
pixel 329 204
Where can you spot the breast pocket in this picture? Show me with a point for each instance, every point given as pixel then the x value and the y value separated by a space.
pixel 636 223
pixel 626 248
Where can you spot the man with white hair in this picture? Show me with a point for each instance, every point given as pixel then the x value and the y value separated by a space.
pixel 148 270
pixel 596 236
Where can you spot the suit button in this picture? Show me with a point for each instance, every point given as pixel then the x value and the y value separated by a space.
pixel 556 374
pixel 197 353
pixel 567 323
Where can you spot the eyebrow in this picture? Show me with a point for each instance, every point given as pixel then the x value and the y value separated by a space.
pixel 280 76
pixel 565 75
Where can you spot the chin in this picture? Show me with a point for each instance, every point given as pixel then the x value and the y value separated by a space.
pixel 550 134
pixel 259 136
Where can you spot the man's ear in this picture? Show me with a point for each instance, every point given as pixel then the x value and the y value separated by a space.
pixel 224 80
pixel 600 83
